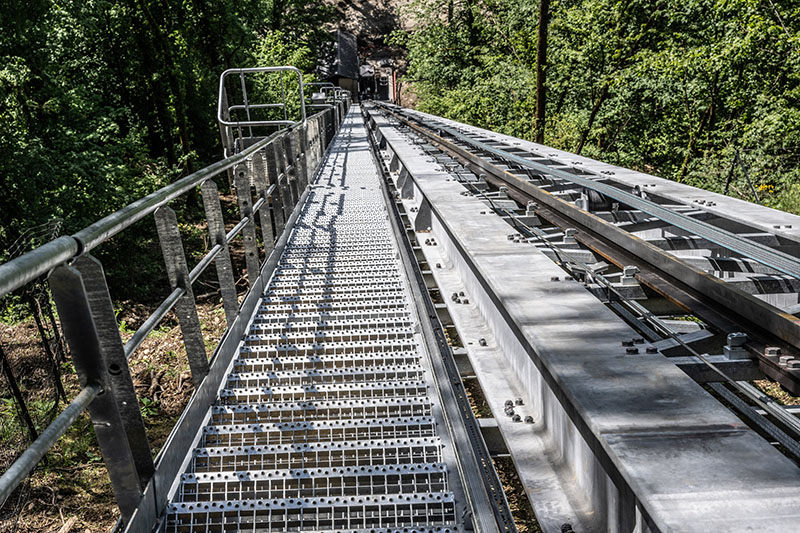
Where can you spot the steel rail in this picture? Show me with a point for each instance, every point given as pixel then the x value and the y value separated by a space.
pixel 758 314
pixel 256 70
pixel 254 106
pixel 791 422
pixel 758 397
pixel 403 163
pixel 24 269
pixel 111 225
pixel 757 419
pixel 475 467
pixel 758 252
pixel 26 462
pixel 166 306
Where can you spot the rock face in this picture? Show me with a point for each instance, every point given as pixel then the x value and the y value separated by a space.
pixel 372 22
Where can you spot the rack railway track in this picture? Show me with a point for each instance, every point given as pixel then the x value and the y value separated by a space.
pixel 728 290
pixel 402 255
pixel 449 176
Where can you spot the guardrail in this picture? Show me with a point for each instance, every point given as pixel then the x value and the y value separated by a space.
pixel 278 169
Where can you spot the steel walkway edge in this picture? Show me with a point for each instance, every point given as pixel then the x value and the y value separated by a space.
pixel 326 420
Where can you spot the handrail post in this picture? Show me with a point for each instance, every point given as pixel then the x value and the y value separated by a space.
pixel 301 150
pixel 245 197
pixel 290 156
pixel 264 213
pixel 283 158
pixel 75 313
pixel 320 139
pixel 312 158
pixel 216 231
pixel 273 177
pixel 113 353
pixel 186 308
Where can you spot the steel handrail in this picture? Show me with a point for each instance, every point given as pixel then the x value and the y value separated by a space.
pixel 26 268
pixel 241 71
pixel 34 453
pixel 166 306
pixel 63 250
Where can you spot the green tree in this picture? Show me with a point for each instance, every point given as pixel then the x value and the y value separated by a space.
pixel 667 87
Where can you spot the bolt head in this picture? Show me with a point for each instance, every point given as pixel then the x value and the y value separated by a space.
pixel 736 339
pixel 772 351
pixel 630 271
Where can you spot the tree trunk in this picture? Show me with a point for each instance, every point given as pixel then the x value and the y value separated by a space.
pixel 706 120
pixel 693 142
pixel 541 65
pixel 595 108
pixel 472 30
pixel 278 7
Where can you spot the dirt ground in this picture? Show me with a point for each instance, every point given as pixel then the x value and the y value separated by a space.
pixel 72 484
pixel 70 491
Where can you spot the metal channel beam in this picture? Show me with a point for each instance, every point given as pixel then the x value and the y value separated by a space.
pixel 764 316
pixel 645 445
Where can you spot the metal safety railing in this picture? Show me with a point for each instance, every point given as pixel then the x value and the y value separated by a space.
pixel 270 177
pixel 233 130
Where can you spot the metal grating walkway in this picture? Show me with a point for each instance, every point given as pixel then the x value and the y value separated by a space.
pixel 325 421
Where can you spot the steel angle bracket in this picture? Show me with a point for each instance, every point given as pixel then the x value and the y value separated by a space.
pixel 487 513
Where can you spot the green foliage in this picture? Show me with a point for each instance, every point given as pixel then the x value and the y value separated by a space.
pixel 149 408
pixel 667 87
pixel 104 101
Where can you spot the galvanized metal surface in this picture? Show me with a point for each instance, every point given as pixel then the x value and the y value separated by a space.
pixel 100 357
pixel 178 273
pixel 327 419
pixel 764 309
pixel 647 447
pixel 92 368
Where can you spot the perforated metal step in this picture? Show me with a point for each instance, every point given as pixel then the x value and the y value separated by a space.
pixel 328 420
